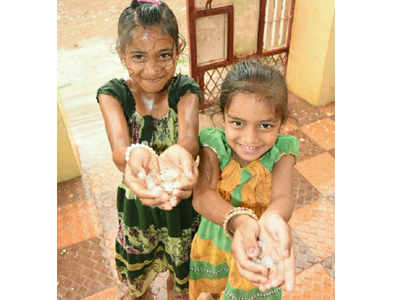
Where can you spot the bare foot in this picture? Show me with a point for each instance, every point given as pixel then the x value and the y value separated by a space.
pixel 205 296
pixel 172 295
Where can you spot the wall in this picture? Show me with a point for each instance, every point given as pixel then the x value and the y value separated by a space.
pixel 68 164
pixel 311 65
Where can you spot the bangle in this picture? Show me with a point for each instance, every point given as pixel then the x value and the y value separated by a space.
pixel 234 212
pixel 130 148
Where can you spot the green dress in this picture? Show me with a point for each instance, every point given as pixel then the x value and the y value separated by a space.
pixel 212 267
pixel 151 240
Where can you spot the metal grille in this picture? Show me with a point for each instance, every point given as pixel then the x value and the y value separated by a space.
pixel 273 34
pixel 212 84
pixel 213 78
pixel 277 60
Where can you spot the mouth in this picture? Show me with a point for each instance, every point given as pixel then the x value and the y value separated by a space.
pixel 153 79
pixel 250 149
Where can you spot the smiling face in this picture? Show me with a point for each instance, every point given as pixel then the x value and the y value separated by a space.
pixel 251 127
pixel 150 58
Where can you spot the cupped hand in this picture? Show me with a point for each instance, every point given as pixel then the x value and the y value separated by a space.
pixel 245 250
pixel 177 165
pixel 277 243
pixel 142 177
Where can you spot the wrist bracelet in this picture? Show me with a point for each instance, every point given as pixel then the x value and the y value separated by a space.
pixel 130 148
pixel 234 212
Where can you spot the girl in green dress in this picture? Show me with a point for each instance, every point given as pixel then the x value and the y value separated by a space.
pixel 151 121
pixel 243 192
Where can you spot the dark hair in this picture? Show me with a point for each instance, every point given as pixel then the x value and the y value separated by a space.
pixel 256 77
pixel 146 14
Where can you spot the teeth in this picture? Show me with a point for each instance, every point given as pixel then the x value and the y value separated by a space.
pixel 250 147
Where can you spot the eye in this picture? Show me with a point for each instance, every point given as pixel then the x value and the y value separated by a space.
pixel 236 124
pixel 138 57
pixel 266 125
pixel 166 56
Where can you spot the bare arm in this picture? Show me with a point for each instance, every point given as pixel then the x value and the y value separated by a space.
pixel 205 190
pixel 116 128
pixel 282 202
pixel 275 232
pixel 188 123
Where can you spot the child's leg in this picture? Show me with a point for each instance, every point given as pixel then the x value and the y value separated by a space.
pixel 130 294
pixel 208 296
pixel 172 294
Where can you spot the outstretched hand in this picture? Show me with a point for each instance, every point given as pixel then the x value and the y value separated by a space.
pixel 275 234
pixel 245 250
pixel 271 265
pixel 181 161
pixel 142 176
pixel 161 181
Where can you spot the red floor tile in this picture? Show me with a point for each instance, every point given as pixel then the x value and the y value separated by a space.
pixel 303 192
pixel 83 270
pixel 308 148
pixel 328 109
pixel 72 190
pixel 329 265
pixel 77 222
pixel 321 132
pixel 108 294
pixel 303 112
pixel 305 258
pixel 312 284
pixel 320 172
pixel 289 126
pixel 314 224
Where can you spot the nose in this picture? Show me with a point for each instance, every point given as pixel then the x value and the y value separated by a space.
pixel 152 68
pixel 250 136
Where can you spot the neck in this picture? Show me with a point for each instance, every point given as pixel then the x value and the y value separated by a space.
pixel 155 104
pixel 156 97
pixel 241 162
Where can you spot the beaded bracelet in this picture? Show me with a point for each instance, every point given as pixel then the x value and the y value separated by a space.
pixel 234 212
pixel 130 148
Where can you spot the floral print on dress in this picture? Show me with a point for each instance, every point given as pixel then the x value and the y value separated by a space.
pixel 165 130
pixel 134 129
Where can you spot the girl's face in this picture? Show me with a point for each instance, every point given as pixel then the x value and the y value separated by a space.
pixel 150 58
pixel 251 127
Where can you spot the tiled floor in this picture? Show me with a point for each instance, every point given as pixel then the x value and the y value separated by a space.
pixel 87 219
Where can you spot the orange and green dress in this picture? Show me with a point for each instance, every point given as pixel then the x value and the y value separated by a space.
pixel 212 266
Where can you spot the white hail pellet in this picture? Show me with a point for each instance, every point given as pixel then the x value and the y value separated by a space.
pixel 168 186
pixel 169 175
pixel 266 261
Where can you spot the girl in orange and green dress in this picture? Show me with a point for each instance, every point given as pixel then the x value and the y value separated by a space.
pixel 243 191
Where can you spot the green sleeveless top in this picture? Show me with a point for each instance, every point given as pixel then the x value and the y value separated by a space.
pixel 158 133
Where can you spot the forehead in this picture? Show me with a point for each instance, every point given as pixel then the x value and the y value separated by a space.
pixel 150 36
pixel 247 106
